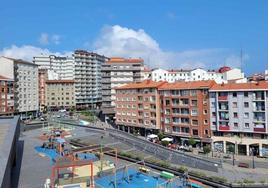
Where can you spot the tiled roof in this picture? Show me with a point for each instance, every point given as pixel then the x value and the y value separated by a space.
pixel 188 85
pixel 59 81
pixel 261 85
pixel 124 60
pixel 144 84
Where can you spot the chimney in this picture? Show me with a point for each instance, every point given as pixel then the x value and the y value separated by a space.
pixel 222 84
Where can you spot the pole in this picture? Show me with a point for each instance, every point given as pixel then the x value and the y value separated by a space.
pixel 253 162
pixel 233 159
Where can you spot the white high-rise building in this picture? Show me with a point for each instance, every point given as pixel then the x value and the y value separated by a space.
pixel 88 90
pixel 25 75
pixel 59 67
pixel 266 74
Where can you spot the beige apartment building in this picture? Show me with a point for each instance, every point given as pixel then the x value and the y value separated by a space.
pixel 60 94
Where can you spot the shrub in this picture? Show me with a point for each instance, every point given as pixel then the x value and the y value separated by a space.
pixel 262 181
pixel 248 181
pixel 206 149
pixel 218 179
pixel 191 142
pixel 199 174
pixel 182 169
pixel 165 143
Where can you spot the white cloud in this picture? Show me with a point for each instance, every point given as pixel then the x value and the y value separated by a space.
pixel 43 39
pixel 55 39
pixel 121 41
pixel 27 52
pixel 46 39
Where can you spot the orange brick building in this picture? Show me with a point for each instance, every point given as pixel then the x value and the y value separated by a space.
pixel 185 110
pixel 6 96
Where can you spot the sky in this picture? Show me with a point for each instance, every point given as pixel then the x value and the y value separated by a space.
pixel 165 33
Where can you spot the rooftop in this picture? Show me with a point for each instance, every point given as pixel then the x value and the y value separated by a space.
pixel 188 85
pixel 261 85
pixel 124 60
pixel 20 61
pixel 8 129
pixel 144 84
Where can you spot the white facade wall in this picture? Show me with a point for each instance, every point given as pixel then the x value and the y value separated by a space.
pixel 195 75
pixel 27 87
pixel 63 66
pixel 8 70
pixel 266 74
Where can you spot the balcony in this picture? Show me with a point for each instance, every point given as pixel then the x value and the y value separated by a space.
pixel 224 128
pixel 256 129
pixel 223 98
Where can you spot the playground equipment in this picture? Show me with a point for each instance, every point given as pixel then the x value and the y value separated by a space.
pixel 58 180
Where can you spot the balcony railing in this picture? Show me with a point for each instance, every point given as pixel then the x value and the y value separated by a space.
pixel 224 128
pixel 256 129
pixel 223 98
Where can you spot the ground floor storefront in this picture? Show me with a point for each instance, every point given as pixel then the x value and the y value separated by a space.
pixel 241 146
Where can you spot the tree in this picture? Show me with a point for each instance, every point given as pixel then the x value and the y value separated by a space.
pixel 191 141
pixel 165 143
pixel 160 136
pixel 207 149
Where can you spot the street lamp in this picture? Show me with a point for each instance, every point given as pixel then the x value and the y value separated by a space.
pixel 253 162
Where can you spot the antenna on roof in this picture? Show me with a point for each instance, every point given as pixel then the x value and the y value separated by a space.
pixel 241 58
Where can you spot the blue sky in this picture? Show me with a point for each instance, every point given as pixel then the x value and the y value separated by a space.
pixel 166 33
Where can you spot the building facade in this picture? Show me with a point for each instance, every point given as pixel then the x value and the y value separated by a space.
pixel 25 75
pixel 224 74
pixel 88 90
pixel 7 96
pixel 239 117
pixel 117 72
pixel 185 110
pixel 138 107
pixel 60 67
pixel 42 78
pixel 60 94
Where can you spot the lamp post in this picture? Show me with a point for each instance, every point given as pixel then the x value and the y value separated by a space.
pixel 253 162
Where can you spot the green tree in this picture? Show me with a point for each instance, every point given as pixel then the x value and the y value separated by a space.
pixel 191 141
pixel 160 136
pixel 165 143
pixel 207 149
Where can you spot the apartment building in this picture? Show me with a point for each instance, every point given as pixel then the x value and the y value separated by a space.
pixel 25 75
pixel 185 110
pixel 224 74
pixel 266 74
pixel 239 117
pixel 7 96
pixel 88 91
pixel 138 107
pixel 116 72
pixel 59 67
pixel 60 94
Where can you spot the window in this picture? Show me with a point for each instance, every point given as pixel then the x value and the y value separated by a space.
pixel 246 94
pixel 194 122
pixel 235 124
pixel 206 122
pixel 235 115
pixel 246 125
pixel 246 115
pixel 234 104
pixel 246 105
pixel 234 94
pixel 205 112
pixel 195 132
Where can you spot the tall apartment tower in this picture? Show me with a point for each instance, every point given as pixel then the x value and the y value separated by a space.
pixel 117 72
pixel 25 75
pixel 88 91
pixel 61 65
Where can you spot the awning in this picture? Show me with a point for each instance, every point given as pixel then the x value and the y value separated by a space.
pixel 167 139
pixel 152 136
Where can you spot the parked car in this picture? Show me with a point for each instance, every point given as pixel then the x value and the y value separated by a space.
pixel 243 165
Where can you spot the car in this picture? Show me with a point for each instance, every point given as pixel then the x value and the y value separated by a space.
pixel 58 116
pixel 42 119
pixel 243 165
